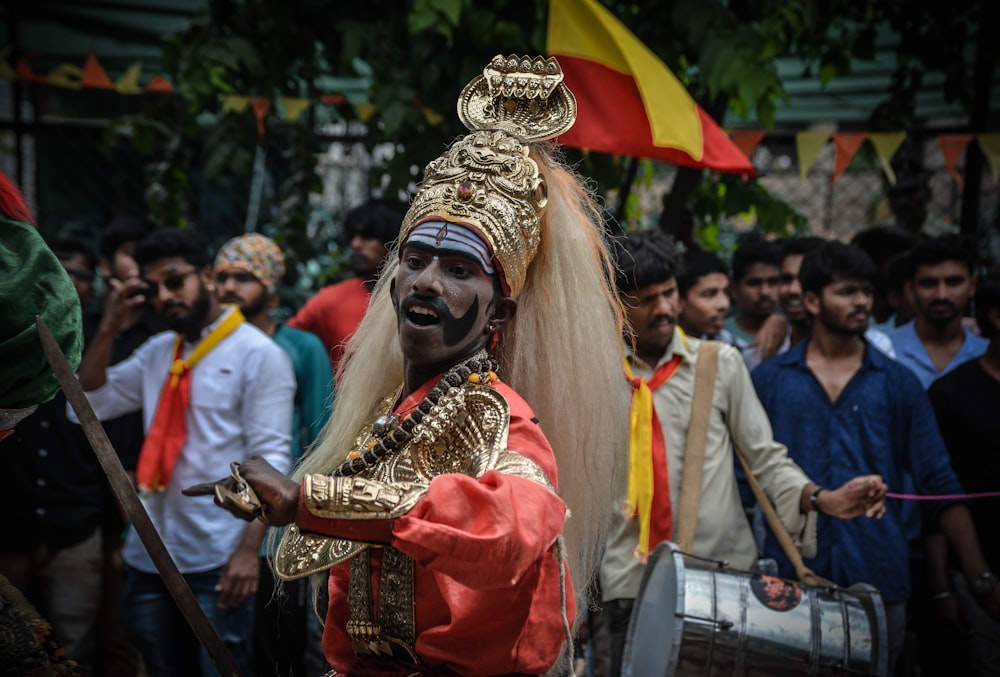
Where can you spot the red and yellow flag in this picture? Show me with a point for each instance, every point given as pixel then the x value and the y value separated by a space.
pixel 629 102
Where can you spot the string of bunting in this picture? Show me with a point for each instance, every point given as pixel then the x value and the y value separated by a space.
pixel 809 144
pixel 92 75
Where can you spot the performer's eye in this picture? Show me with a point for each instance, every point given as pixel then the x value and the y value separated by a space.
pixel 414 262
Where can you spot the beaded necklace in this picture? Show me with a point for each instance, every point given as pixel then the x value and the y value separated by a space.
pixel 393 434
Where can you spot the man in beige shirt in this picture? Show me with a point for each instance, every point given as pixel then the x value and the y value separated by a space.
pixel 648 264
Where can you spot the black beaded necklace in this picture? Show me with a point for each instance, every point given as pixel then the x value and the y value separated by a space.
pixel 393 433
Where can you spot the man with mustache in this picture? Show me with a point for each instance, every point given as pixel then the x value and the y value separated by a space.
pixel 843 408
pixel 662 358
pixel 212 389
pixel 481 406
pixel 248 270
pixel 942 281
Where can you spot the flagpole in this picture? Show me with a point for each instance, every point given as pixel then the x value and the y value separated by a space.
pixel 631 169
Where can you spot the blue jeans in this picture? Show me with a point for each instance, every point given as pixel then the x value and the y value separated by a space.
pixel 168 645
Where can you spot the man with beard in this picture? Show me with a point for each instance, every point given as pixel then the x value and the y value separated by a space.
pixel 755 294
pixel 842 408
pixel 461 440
pixel 790 297
pixel 213 389
pixel 248 270
pixel 661 363
pixel 335 311
pixel 942 282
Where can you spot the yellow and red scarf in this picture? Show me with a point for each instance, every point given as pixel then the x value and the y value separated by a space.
pixel 163 442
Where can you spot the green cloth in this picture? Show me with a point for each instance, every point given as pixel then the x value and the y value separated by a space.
pixel 33 282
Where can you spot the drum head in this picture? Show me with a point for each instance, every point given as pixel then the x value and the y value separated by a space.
pixel 656 627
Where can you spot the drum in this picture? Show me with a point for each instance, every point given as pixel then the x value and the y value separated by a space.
pixel 697 617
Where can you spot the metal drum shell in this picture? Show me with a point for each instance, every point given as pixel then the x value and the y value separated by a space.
pixel 697 617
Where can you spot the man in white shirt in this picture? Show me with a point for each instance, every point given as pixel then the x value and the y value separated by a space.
pixel 213 390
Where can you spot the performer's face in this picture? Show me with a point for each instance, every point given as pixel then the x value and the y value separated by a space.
pixel 447 307
pixel 180 293
pixel 652 315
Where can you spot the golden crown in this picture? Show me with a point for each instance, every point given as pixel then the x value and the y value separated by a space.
pixel 486 179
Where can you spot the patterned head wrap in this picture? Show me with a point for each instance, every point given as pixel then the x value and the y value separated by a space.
pixel 255 254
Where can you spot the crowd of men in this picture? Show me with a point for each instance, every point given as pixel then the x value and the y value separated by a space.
pixel 448 436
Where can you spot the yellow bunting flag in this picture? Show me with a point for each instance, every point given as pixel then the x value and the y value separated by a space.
pixel 807 146
pixel 989 143
pixel 886 144
pixel 66 75
pixel 365 111
pixel 845 144
pixel 432 116
pixel 129 82
pixel 294 107
pixel 6 72
pixel 235 103
pixel 94 75
pixel 952 147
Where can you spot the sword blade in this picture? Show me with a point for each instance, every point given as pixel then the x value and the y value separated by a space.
pixel 129 502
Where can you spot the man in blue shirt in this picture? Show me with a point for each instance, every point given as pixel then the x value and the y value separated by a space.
pixel 941 284
pixel 844 409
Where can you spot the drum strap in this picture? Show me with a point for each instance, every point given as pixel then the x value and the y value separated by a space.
pixel 804 573
pixel 697 438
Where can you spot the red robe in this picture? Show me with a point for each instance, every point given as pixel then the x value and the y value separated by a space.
pixel 486 574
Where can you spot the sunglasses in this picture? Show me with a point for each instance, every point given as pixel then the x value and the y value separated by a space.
pixel 171 283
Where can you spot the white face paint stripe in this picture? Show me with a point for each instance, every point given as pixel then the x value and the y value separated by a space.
pixel 456 237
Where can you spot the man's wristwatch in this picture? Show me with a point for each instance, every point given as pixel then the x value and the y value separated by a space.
pixel 814 501
pixel 983 584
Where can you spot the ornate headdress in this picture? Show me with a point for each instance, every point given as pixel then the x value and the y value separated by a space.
pixel 486 179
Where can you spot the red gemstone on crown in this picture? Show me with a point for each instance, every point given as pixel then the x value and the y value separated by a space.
pixel 465 190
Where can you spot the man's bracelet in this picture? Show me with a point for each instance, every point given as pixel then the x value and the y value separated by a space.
pixel 814 501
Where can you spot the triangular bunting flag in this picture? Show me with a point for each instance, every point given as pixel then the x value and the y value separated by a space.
pixel 628 101
pixel 65 75
pixel 989 143
pixel 24 72
pixel 952 147
pixel 261 107
pixel 747 140
pixel 807 146
pixel 432 116
pixel 846 145
pixel 94 75
pixel 886 144
pixel 234 103
pixel 333 99
pixel 6 72
pixel 159 85
pixel 365 111
pixel 294 107
pixel 129 82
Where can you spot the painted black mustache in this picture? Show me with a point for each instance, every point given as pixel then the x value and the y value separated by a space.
pixel 455 327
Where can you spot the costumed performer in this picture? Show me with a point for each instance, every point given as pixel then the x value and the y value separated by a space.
pixel 485 374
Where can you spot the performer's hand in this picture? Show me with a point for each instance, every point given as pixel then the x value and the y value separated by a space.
pixel 279 496
pixel 864 495
pixel 239 579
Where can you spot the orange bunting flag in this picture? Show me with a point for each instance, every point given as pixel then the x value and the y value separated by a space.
pixel 261 107
pixel 807 147
pixel 24 72
pixel 989 144
pixel 629 103
pixel 94 75
pixel 845 144
pixel 747 140
pixel 952 147
pixel 159 85
pixel 333 99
